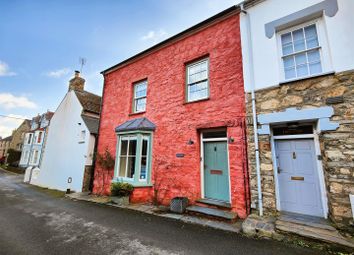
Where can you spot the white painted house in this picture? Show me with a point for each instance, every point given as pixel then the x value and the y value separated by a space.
pixel 298 61
pixel 68 158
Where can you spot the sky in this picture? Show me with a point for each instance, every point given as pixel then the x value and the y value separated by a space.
pixel 42 41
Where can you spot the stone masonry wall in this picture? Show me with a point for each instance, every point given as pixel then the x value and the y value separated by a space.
pixel 337 147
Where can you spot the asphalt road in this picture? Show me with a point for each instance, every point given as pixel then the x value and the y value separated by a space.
pixel 33 222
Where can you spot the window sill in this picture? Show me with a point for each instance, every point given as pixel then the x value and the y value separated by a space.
pixel 306 78
pixel 196 101
pixel 136 113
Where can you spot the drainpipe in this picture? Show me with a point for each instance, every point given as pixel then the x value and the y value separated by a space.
pixel 254 112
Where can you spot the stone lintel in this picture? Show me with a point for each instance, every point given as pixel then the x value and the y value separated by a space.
pixel 320 114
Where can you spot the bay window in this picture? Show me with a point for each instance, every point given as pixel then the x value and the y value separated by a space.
pixel 133 158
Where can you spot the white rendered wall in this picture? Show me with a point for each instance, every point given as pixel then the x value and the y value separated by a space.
pixel 64 155
pixel 266 61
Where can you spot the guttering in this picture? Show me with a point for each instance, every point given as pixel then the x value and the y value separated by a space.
pixel 254 112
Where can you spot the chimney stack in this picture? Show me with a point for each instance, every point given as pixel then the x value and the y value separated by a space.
pixel 77 83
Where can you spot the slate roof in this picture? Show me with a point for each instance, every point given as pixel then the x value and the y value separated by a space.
pixel 9 138
pixel 91 123
pixel 136 124
pixel 89 101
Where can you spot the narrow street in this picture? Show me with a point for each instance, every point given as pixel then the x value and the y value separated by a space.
pixel 34 222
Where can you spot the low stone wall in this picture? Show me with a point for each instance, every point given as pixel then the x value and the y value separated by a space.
pixel 337 147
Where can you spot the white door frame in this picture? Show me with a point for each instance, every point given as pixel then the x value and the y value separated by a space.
pixel 319 167
pixel 202 140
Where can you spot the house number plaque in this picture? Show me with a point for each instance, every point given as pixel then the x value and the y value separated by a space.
pixel 297 178
pixel 180 155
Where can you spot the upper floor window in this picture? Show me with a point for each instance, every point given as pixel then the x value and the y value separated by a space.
pixel 140 92
pixel 29 139
pixel 198 80
pixel 39 137
pixel 300 51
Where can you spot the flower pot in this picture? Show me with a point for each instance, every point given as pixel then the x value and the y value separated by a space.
pixel 120 200
pixel 178 204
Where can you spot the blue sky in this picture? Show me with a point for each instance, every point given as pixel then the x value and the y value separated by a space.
pixel 41 43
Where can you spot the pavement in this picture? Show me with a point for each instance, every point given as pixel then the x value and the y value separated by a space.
pixel 36 222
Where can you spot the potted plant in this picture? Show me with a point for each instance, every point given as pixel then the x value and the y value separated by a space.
pixel 120 192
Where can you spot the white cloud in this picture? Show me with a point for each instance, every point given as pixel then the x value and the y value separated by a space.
pixel 9 101
pixel 58 73
pixel 5 70
pixel 154 36
pixel 7 125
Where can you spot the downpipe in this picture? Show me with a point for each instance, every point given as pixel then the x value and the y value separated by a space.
pixel 254 111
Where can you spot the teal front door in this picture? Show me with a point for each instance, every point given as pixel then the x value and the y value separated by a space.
pixel 216 173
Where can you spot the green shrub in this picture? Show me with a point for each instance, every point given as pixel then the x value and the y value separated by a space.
pixel 121 189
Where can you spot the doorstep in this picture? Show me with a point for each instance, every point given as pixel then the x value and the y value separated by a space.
pixel 155 210
pixel 308 227
pixel 311 227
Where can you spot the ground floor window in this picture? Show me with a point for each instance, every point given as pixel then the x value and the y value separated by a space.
pixel 133 158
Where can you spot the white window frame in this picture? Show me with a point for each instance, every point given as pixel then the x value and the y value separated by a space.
pixel 189 84
pixel 42 134
pixel 136 180
pixel 324 51
pixel 29 138
pixel 135 99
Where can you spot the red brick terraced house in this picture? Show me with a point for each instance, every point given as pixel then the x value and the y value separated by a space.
pixel 173 116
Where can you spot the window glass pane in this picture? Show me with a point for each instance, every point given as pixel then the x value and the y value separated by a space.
pixel 123 148
pixel 122 166
pixel 299 40
pixel 287 44
pixel 131 167
pixel 198 91
pixel 140 104
pixel 140 90
pixel 289 62
pixel 311 36
pixel 198 72
pixel 301 65
pixel 315 68
pixel 143 169
pixel 144 149
pixel 290 73
pixel 313 56
pixel 132 148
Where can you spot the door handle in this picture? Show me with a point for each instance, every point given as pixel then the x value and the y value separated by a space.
pixel 294 155
pixel 279 170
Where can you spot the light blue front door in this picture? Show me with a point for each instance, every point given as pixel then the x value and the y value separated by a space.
pixel 216 173
pixel 298 179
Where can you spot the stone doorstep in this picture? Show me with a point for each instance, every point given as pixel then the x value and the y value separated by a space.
pixel 307 221
pixel 214 203
pixel 313 232
pixel 212 212
pixel 150 209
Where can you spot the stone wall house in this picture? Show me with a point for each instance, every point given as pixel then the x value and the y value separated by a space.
pixel 18 135
pixel 34 141
pixel 173 117
pixel 299 62
pixel 70 143
pixel 4 146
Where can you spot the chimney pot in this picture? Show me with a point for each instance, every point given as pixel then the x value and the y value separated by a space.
pixel 77 83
